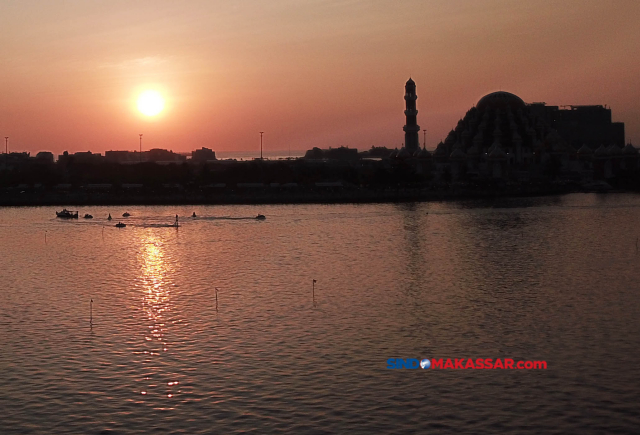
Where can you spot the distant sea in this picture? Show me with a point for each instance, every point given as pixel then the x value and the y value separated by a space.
pixel 250 155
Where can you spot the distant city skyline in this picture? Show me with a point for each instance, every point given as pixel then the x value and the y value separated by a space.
pixel 312 74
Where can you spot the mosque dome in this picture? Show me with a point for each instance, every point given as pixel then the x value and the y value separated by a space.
pixel 500 100
pixel 441 152
pixel 629 149
pixel 458 154
pixel 614 149
pixel 585 150
pixel 497 153
pixel 403 153
pixel 600 151
pixel 424 154
pixel 473 152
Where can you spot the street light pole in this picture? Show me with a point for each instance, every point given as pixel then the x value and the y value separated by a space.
pixel 6 144
pixel 141 148
pixel 261 144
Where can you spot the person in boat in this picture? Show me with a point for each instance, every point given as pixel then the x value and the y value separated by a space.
pixel 194 214
pixel 109 218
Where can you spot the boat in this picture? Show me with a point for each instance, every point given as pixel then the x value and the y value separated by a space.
pixel 88 216
pixel 125 214
pixel 109 218
pixel 66 214
pixel 120 225
pixel 261 217
pixel 194 214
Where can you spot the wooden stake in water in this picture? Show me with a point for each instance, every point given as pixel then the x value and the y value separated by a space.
pixel 313 291
pixel 91 313
pixel 216 299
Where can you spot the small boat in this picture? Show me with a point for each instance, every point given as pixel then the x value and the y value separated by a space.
pixel 88 216
pixel 109 218
pixel 261 217
pixel 66 214
pixel 194 214
pixel 125 214
pixel 120 225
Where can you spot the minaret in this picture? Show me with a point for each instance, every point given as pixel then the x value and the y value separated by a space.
pixel 411 129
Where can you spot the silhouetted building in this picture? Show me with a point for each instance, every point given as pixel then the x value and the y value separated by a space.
pixel 80 157
pixel 87 157
pixel 123 157
pixel 340 153
pixel 502 137
pixel 580 125
pixel 203 155
pixel 155 155
pixel 158 155
pixel 45 157
pixel 411 128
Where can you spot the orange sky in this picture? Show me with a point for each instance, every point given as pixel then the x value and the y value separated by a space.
pixel 308 73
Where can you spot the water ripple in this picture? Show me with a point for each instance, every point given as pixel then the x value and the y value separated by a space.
pixel 550 279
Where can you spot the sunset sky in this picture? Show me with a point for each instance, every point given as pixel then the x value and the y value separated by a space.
pixel 306 72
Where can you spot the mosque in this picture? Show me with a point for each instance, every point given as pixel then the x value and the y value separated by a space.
pixel 502 137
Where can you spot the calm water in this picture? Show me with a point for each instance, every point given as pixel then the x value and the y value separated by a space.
pixel 552 279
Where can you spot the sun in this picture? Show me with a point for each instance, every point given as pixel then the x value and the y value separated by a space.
pixel 150 103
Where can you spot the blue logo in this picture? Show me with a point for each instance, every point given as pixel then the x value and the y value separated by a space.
pixel 408 363
pixel 399 363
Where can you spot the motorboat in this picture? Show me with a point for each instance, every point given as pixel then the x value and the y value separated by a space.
pixel 120 225
pixel 88 216
pixel 66 214
pixel 125 214
pixel 261 217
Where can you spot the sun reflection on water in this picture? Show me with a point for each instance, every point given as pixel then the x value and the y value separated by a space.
pixel 154 281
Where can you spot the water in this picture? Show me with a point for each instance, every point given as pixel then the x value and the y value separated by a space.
pixel 551 279
pixel 267 154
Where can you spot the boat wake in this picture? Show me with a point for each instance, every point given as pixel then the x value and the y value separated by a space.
pixel 228 218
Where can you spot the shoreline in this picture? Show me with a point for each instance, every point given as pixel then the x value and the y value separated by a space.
pixel 357 196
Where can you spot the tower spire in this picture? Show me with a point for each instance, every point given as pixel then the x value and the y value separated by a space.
pixel 411 128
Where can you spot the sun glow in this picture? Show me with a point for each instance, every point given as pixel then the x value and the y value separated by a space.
pixel 150 103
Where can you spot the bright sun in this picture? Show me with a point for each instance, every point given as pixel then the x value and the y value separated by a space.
pixel 150 103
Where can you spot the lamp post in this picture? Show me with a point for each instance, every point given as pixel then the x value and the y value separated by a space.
pixel 261 144
pixel 140 147
pixel 6 144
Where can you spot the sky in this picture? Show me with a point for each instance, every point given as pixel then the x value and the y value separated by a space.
pixel 306 72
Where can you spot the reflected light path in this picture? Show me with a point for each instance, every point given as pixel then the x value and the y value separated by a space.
pixel 156 307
